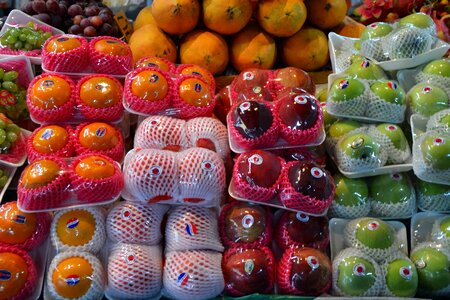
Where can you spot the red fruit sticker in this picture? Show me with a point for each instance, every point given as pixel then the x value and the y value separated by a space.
pixel 300 100
pixel 427 89
pixel 248 221
pixel 47 134
pixel 130 258
pixel 6 98
pixel 392 85
pixel 391 127
pixel 373 225
pixel 396 176
pixel 183 279
pixel 154 122
pixel 125 214
pixel 72 223
pixel 155 171
pixel 313 262
pixel 406 273
pixel 316 172
pixel 439 141
pixel 207 165
pixel 302 217
pixel 373 25
pixel 365 64
pixel 343 84
pixel 244 106
pixel 359 270
pixel 249 266
pixel 248 75
pixel 100 132
pixel 47 83
pixel 256 159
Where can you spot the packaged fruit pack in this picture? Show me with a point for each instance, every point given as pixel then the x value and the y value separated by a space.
pixel 55 98
pixel 6 176
pixel 386 196
pixel 24 35
pixel 366 150
pixel 54 184
pixel 263 177
pixel 67 141
pixel 432 197
pixel 364 92
pixel 168 133
pixel 195 176
pixel 187 93
pixel 23 251
pixel 76 56
pixel 13 143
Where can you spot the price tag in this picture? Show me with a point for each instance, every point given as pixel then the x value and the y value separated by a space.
pixel 124 26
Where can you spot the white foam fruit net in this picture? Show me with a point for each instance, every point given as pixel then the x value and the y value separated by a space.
pixel 134 272
pixel 438 80
pixel 192 228
pixel 403 209
pixel 158 132
pixel 349 164
pixel 195 275
pixel 373 48
pixel 349 212
pixel 384 111
pixel 377 287
pixel 434 123
pixel 135 223
pixel 395 155
pixel 348 108
pixel 407 42
pixel 437 203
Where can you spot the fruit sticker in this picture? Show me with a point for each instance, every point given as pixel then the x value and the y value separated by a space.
pixel 396 176
pixel 183 279
pixel 365 64
pixel 19 219
pixel 249 266
pixel 37 168
pixel 72 279
pixel 47 134
pixel 302 217
pixel 359 270
pixel 406 273
pixel 439 141
pixel 125 214
pixel 153 78
pixel 391 128
pixel 373 25
pixel 196 73
pixel 155 171
pixel 357 143
pixel 244 106
pixel 198 87
pixel 427 89
pixel 248 221
pixel 62 39
pixel 111 42
pixel 100 162
pixel 300 100
pixel 248 75
pixel 72 223
pixel 207 165
pixel 102 87
pixel 313 262
pixel 191 229
pixel 47 83
pixel 154 122
pixel 256 89
pixel 100 132
pixel 316 172
pixel 392 85
pixel 343 84
pixel 372 225
pixel 130 258
pixel 5 275
pixel 6 98
pixel 256 159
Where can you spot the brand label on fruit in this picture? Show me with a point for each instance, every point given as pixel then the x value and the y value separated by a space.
pixel 406 273
pixel 343 84
pixel 47 83
pixel 248 75
pixel 357 143
pixel 183 279
pixel 302 217
pixel 249 266
pixel 392 85
pixel 359 270
pixel 300 100
pixel 102 87
pixel 365 64
pixel 373 225
pixel 257 89
pixel 150 64
pixel 155 171
pixel 396 176
pixel 19 219
pixel 316 172
pixel 154 122
pixel 391 127
pixel 47 134
pixel 125 214
pixel 256 159
pixel 72 223
pixel 198 87
pixel 439 141
pixel 5 275
pixel 248 221
pixel 313 262
pixel 62 39
pixel 244 106
pixel 207 165
pixel 111 42
pixel 100 132
pixel 153 78
pixel 72 279
pixel 373 25
pixel 196 73
pixel 130 258
pixel 420 264
pixel 427 89
pixel 191 229
pixel 7 99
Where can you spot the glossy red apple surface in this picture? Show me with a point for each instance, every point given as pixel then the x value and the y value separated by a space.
pixel 305 229
pixel 298 110
pixel 252 119
pixel 311 180
pixel 259 168
pixel 245 222
pixel 295 77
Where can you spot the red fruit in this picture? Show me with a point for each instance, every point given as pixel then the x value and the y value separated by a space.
pixel 310 180
pixel 251 84
pixel 247 271
pixel 303 229
pixel 259 168
pixel 298 110
pixel 245 222
pixel 252 119
pixel 223 104
pixel 295 77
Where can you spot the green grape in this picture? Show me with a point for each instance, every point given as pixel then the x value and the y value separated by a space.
pixel 2 172
pixel 10 76
pixel 11 137
pixel 18 45
pixel 31 39
pixel 2 136
pixel 10 86
pixel 23 37
pixel 28 46
pixel 5 146
pixel 13 128
pixel 10 40
pixel 39 42
pixel 3 180
pixel 4 41
pixel 2 125
pixel 14 32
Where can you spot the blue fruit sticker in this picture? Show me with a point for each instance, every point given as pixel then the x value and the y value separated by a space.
pixel 5 275
pixel 47 83
pixel 392 85
pixel 191 229
pixel 183 279
pixel 153 78
pixel 19 219
pixel 72 279
pixel 100 132
pixel 343 84
pixel 249 266
pixel 72 223
pixel 198 87
pixel 365 64
pixel 47 134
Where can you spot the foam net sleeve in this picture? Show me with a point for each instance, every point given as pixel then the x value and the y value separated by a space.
pixel 158 132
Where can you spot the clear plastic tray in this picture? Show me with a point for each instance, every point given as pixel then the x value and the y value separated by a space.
pixel 406 78
pixel 10 171
pixel 17 17
pixel 338 42
pixel 39 256
pixel 23 158
pixel 421 227
pixel 21 64
pixel 87 72
pixel 337 227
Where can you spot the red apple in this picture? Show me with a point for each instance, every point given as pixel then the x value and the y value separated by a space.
pixel 298 110
pixel 252 84
pixel 252 119
pixel 295 77
pixel 223 104
pixel 245 222
pixel 259 168
pixel 311 180
pixel 304 229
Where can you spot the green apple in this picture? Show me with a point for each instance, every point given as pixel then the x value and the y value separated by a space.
pixel 356 276
pixel 374 233
pixel 344 89
pixel 436 151
pixel 327 118
pixel 401 278
pixel 357 45
pixel 419 20
pixel 322 95
pixel 360 146
pixel 395 135
pixel 376 30
pixel 439 67
pixel 342 127
pixel 432 189
pixel 366 69
pixel 444 225
pixel 427 99
pixel 432 266
pixel 389 91
pixel 350 192
pixel 445 120
pixel 390 188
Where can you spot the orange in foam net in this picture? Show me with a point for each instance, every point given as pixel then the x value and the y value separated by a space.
pixel 62 44
pixel 100 92
pixel 98 136
pixel 94 167
pixel 50 92
pixel 50 139
pixel 40 173
pixel 150 85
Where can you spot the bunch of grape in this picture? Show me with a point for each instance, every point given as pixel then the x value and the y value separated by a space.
pixel 3 178
pixel 9 133
pixel 24 38
pixel 13 97
pixel 51 12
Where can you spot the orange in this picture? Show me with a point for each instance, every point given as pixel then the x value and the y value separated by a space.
pixel 281 17
pixel 100 92
pixel 253 48
pixel 176 16
pixel 155 62
pixel 40 173
pixel 206 49
pixel 307 49
pixel 326 14
pixel 350 28
pixel 144 17
pixel 98 136
pixel 62 44
pixel 50 139
pixel 15 268
pixel 195 92
pixel 15 226
pixel 226 16
pixel 50 92
pixel 94 167
pixel 199 71
pixel 112 47
pixel 150 85
pixel 76 227
pixel 72 278
pixel 149 40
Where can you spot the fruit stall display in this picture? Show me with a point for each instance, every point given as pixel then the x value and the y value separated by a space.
pixel 147 177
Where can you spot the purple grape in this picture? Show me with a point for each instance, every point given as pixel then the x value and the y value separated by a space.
pixel 105 29
pixel 44 18
pixel 96 21
pixel 90 31
pixel 39 6
pixel 115 30
pixel 106 18
pixel 75 29
pixel 91 11
pixel 62 11
pixel 28 8
pixel 85 23
pixel 77 19
pixel 74 10
pixel 64 2
pixel 106 10
pixel 52 6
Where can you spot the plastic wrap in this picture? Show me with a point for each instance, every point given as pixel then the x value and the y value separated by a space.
pixel 109 55
pixel 65 53
pixel 438 121
pixel 433 196
pixel 425 228
pixel 400 276
pixel 440 232
pixel 195 177
pixel 427 99
pixel 156 62
pixel 52 184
